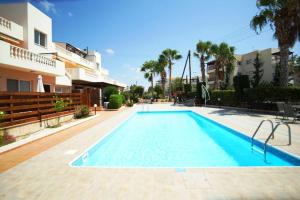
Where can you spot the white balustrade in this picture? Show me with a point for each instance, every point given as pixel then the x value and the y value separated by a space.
pixel 23 54
pixel 5 23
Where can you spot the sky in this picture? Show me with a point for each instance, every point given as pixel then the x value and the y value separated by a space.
pixel 129 32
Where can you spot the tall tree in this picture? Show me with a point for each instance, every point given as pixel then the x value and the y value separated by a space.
pixel 161 70
pixel 224 56
pixel 258 71
pixel 283 15
pixel 229 68
pixel 203 53
pixel 150 69
pixel 166 58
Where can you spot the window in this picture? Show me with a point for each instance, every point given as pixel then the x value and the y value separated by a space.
pixel 18 85
pixel 12 85
pixel 40 38
pixel 24 86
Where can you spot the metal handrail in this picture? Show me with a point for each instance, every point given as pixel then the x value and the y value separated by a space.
pixel 272 134
pixel 272 126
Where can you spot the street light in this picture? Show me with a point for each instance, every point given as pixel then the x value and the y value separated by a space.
pixel 95 107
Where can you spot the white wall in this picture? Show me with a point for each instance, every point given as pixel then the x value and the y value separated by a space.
pixel 41 22
pixel 30 18
pixel 18 14
pixel 268 66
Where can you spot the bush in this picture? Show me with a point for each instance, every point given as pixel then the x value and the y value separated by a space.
pixel 81 111
pixel 187 88
pixel 115 101
pixel 273 94
pixel 109 90
pixel 123 99
pixel 6 139
pixel 227 97
pixel 241 82
pixel 2 115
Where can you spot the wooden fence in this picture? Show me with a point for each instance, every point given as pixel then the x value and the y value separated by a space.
pixel 24 107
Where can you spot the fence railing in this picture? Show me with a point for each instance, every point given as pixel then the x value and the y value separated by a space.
pixel 24 107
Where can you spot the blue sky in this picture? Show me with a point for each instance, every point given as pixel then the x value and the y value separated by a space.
pixel 127 33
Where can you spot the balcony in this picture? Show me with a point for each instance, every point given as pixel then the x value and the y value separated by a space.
pixel 74 58
pixel 11 29
pixel 65 80
pixel 14 57
pixel 91 76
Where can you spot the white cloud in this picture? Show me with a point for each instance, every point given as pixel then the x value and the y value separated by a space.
pixel 138 69
pixel 70 14
pixel 110 51
pixel 48 6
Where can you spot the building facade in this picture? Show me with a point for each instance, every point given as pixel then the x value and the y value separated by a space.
pixel 27 52
pixel 244 65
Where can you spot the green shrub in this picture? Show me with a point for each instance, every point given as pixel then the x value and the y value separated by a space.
pixel 2 115
pixel 273 94
pixel 81 111
pixel 6 139
pixel 226 97
pixel 187 88
pixel 123 99
pixel 240 83
pixel 109 90
pixel 115 101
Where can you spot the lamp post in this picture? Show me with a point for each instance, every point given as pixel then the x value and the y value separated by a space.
pixel 95 108
pixel 219 102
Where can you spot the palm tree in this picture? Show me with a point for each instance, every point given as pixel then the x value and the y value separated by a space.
pixel 203 53
pixel 150 68
pixel 166 58
pixel 283 15
pixel 230 66
pixel 161 70
pixel 224 57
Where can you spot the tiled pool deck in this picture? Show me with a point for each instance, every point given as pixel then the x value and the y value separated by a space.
pixel 48 176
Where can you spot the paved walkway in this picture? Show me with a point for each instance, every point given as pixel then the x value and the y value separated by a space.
pixel 48 175
pixel 14 157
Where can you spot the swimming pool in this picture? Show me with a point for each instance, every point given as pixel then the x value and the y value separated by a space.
pixel 178 139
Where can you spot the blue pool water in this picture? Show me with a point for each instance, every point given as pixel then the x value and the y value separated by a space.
pixel 177 139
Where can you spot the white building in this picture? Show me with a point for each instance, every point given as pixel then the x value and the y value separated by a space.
pixel 244 65
pixel 27 51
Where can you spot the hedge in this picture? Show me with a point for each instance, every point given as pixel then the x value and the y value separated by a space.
pixel 115 101
pixel 227 97
pixel 272 94
pixel 256 97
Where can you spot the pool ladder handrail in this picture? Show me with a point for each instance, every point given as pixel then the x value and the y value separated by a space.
pixel 261 123
pixel 271 135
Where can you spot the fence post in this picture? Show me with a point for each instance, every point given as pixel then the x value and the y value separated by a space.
pixel 40 114
pixel 11 105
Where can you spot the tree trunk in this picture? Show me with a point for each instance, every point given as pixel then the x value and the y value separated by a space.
pixel 284 70
pixel 152 85
pixel 163 82
pixel 170 81
pixel 202 69
pixel 216 86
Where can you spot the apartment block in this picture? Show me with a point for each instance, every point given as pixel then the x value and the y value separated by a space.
pixel 244 65
pixel 28 52
pixel 26 46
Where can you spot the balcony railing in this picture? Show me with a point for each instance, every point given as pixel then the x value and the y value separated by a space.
pixel 74 57
pixel 23 54
pixel 11 29
pixel 5 23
